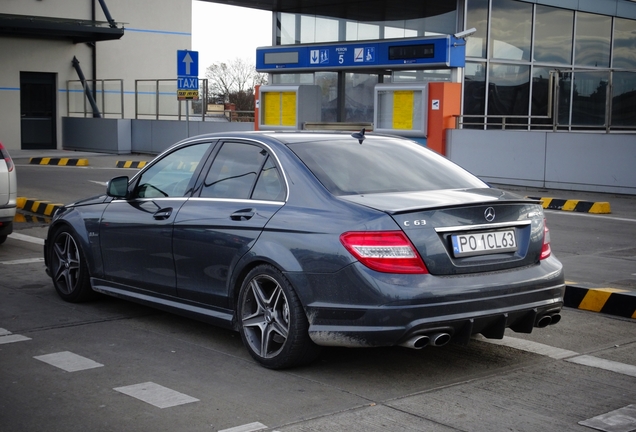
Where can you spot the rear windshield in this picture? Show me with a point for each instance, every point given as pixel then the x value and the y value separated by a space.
pixel 380 165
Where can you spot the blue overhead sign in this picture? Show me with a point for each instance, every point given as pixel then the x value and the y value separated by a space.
pixel 187 63
pixel 416 53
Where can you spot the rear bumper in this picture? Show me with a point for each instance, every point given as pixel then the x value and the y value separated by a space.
pixel 458 306
pixel 6 221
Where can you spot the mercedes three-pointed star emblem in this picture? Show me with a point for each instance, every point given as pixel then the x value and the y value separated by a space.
pixel 489 214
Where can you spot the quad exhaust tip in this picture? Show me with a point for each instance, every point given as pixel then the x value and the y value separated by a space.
pixel 420 341
pixel 547 320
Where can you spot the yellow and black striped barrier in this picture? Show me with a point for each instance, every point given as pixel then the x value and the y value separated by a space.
pixel 574 205
pixel 131 164
pixel 58 161
pixel 612 301
pixel 45 208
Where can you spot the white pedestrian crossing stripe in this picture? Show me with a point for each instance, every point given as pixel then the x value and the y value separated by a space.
pixel 156 395
pixel 68 361
pixel 7 337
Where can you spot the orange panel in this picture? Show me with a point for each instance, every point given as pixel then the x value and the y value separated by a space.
pixel 444 103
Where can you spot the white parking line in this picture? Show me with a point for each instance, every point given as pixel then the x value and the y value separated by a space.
pixel 156 395
pixel 529 346
pixel 68 361
pixel 607 365
pixel 620 420
pixel 11 338
pixel 26 238
pixel 23 261
pixel 251 427
pixel 589 215
pixel 7 337
pixel 558 354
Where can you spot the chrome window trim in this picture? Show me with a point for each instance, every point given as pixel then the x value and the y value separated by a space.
pixel 224 138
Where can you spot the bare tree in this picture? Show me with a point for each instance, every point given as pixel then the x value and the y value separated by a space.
pixel 234 82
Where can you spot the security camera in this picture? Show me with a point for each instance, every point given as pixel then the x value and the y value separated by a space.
pixel 464 34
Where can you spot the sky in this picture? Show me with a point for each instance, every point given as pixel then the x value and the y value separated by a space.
pixel 221 33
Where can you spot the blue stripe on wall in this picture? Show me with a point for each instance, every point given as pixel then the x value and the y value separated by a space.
pixel 157 31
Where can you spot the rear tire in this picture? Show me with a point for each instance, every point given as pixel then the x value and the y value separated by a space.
pixel 68 267
pixel 272 321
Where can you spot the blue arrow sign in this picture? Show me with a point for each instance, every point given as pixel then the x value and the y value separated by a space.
pixel 187 63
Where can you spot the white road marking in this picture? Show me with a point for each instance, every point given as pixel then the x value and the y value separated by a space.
pixel 529 346
pixel 156 395
pixel 7 337
pixel 604 364
pixel 26 238
pixel 68 361
pixel 23 261
pixel 251 427
pixel 101 183
pixel 558 354
pixel 590 215
pixel 620 420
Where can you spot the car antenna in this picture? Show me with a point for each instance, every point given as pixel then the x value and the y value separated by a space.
pixel 359 135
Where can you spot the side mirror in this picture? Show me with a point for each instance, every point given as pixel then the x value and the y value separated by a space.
pixel 118 187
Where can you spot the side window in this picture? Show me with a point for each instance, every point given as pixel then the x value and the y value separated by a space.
pixel 170 176
pixel 270 185
pixel 234 171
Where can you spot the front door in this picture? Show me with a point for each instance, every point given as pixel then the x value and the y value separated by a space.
pixel 38 112
pixel 136 233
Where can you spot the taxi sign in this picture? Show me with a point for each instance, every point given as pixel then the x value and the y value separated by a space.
pixel 187 75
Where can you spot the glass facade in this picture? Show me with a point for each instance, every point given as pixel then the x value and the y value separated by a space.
pixel 526 58
pixel 524 62
pixel 348 97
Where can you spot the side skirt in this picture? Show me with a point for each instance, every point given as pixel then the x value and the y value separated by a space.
pixel 218 317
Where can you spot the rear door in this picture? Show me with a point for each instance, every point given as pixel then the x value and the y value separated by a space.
pixel 242 190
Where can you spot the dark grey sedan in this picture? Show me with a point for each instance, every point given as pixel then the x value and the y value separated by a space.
pixel 299 240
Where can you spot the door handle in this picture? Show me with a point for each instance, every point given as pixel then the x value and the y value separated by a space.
pixel 162 214
pixel 242 215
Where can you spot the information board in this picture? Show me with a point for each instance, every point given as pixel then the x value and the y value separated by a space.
pixel 426 52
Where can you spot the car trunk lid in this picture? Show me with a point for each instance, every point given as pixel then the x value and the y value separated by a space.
pixel 466 231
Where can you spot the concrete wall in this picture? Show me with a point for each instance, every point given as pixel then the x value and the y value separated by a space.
pixel 154 31
pixel 570 161
pixel 124 136
pixel 154 136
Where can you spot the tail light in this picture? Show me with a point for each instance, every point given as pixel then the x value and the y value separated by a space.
pixel 4 154
pixel 384 251
pixel 546 250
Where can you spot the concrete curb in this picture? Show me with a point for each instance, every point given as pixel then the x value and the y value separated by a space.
pixel 131 164
pixel 574 205
pixel 612 301
pixel 44 208
pixel 58 161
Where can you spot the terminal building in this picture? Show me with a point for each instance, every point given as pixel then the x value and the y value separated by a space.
pixel 547 88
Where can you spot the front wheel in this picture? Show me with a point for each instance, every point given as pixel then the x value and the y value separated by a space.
pixel 68 268
pixel 272 321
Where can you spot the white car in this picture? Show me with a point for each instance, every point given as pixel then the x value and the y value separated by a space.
pixel 8 193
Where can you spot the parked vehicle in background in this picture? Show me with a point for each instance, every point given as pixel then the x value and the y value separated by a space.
pixel 299 240
pixel 8 194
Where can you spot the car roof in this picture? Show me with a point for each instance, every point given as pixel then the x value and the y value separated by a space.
pixel 286 137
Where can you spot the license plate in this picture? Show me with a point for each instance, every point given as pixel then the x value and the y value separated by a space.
pixel 484 243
